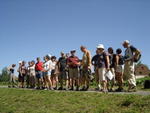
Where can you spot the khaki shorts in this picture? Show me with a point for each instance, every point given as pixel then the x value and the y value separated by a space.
pixel 101 74
pixel 73 73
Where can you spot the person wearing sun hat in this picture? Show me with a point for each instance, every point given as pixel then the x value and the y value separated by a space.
pixel 130 54
pixel 102 67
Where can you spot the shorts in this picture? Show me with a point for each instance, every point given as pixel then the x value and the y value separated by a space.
pixel 21 78
pixel 63 75
pixel 53 72
pixel 101 74
pixel 85 73
pixel 73 73
pixel 39 74
pixel 119 69
pixel 47 73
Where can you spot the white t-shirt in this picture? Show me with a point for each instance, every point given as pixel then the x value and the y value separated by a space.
pixel 48 66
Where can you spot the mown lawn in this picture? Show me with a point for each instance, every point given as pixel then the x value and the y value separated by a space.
pixel 33 101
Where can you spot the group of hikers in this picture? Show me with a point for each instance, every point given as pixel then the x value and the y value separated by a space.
pixel 71 73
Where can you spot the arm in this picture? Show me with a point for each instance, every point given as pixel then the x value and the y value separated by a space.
pixel 117 60
pixel 107 62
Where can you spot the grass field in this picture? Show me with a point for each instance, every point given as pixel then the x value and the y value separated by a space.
pixel 33 101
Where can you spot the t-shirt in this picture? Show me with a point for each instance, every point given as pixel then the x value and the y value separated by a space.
pixel 129 52
pixel 39 66
pixel 48 65
pixel 74 60
pixel 62 63
pixel 101 63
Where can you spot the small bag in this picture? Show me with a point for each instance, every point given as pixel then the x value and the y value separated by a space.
pixel 109 75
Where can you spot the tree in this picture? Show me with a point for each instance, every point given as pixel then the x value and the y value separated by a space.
pixel 4 77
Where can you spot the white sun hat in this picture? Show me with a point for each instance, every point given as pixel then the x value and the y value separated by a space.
pixel 100 46
pixel 126 41
pixel 20 62
pixel 49 55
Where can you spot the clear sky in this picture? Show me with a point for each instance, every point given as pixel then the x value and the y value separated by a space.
pixel 32 28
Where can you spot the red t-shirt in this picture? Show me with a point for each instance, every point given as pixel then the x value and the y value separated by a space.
pixel 74 60
pixel 39 66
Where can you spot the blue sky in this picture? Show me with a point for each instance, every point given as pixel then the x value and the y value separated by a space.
pixel 32 28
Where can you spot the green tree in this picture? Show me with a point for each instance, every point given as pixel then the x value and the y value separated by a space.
pixel 4 77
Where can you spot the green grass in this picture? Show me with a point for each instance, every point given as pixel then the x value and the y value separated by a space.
pixel 33 101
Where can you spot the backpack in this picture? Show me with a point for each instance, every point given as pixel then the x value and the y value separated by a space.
pixel 136 58
pixel 147 84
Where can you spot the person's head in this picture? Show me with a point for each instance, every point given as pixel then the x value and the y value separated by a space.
pixel 126 44
pixel 67 55
pixel 62 54
pixel 118 51
pixel 83 49
pixel 100 48
pixel 29 63
pixel 47 57
pixel 73 52
pixel 53 58
pixel 32 62
pixel 13 65
pixel 110 50
pixel 23 63
pixel 20 63
pixel 44 58
pixel 38 59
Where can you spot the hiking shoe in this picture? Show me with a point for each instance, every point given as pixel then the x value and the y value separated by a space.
pixel 77 89
pixel 105 91
pixel 119 90
pixel 83 88
pixel 60 88
pixel 71 89
pixel 86 89
pixel 132 89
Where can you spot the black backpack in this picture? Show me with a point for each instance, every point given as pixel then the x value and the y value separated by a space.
pixel 147 84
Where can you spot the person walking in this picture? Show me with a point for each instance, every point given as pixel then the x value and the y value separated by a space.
pixel 103 66
pixel 131 54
